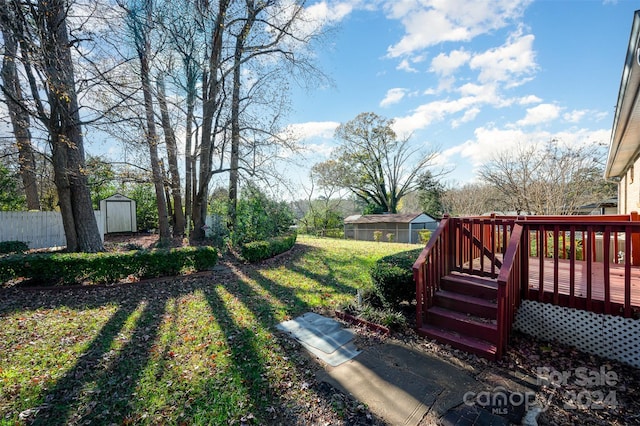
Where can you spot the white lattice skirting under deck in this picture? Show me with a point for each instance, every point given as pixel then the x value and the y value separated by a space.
pixel 609 336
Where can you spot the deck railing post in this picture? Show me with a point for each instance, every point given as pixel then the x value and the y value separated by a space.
pixel 635 242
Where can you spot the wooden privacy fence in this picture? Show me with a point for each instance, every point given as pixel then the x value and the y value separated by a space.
pixel 37 229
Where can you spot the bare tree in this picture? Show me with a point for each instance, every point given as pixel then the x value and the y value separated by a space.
pixel 555 180
pixel 20 120
pixel 140 21
pixel 472 199
pixel 172 157
pixel 211 87
pixel 45 55
pixel 373 163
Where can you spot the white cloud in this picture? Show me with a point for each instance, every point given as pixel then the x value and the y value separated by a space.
pixel 469 115
pixel 540 114
pixel 515 59
pixel 528 100
pixel 313 129
pixel 574 116
pixel 405 65
pixel 315 17
pixel 426 114
pixel 323 150
pixel 329 11
pixel 428 23
pixel 444 64
pixel 393 96
pixel 489 141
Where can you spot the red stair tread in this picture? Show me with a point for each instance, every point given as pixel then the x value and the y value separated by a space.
pixel 472 279
pixel 469 344
pixel 465 298
pixel 463 323
pixel 459 316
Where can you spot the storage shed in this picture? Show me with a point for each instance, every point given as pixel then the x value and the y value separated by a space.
pixel 404 227
pixel 118 214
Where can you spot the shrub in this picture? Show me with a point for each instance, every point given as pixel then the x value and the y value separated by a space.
pixel 260 250
pixel 377 236
pixel 392 278
pixel 259 218
pixel 391 237
pixel 388 317
pixel 104 268
pixel 7 247
pixel 424 236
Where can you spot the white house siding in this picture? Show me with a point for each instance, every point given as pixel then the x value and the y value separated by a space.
pixel 629 190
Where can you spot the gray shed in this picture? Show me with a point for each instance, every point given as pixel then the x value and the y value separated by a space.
pixel 404 227
pixel 118 214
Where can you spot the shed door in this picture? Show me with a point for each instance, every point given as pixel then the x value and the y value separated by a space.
pixel 118 216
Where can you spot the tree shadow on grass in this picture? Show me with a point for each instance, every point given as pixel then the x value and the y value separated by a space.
pixel 101 386
pixel 97 389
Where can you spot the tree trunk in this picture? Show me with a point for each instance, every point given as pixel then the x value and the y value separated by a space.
pixel 235 138
pixel 188 152
pixel 19 117
pixel 172 156
pixel 209 106
pixel 235 112
pixel 65 130
pixel 152 141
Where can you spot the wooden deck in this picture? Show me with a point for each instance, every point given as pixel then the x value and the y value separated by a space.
pixel 581 299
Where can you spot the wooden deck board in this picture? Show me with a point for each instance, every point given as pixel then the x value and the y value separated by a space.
pixel 616 274
pixel 616 288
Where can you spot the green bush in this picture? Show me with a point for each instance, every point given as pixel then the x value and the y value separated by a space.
pixel 392 278
pixel 260 250
pixel 424 236
pixel 104 268
pixel 259 218
pixel 7 247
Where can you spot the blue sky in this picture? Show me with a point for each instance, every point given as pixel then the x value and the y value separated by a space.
pixel 469 77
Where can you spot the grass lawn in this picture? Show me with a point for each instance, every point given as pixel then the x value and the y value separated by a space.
pixel 199 349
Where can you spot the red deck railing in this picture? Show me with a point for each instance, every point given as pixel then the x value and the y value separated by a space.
pixel 433 263
pixel 584 262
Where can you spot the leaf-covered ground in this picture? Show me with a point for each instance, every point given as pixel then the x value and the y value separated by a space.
pixel 202 349
pixel 199 349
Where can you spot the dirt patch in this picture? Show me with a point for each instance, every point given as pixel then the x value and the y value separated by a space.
pixel 137 241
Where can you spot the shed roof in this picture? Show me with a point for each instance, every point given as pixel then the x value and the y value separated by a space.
pixel 387 218
pixel 118 197
pixel 625 134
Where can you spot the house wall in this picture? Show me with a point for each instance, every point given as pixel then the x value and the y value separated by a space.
pixel 629 190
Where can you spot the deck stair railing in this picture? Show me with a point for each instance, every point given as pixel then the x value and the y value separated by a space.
pixel 433 263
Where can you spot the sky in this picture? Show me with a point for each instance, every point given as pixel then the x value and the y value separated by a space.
pixel 467 78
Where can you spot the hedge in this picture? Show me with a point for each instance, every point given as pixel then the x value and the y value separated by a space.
pixel 105 268
pixel 260 250
pixel 392 278
pixel 13 247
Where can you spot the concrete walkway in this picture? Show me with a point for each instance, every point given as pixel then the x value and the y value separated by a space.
pixel 405 386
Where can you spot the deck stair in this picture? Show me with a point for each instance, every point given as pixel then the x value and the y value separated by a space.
pixel 464 314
